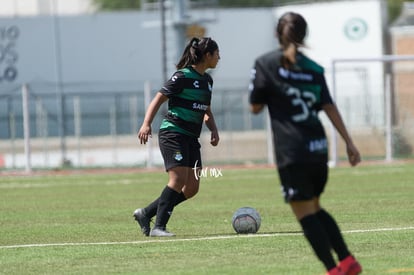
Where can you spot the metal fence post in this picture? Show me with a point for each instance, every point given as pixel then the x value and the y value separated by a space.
pixel 26 128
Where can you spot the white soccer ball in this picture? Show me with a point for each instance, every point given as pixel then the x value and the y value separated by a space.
pixel 246 220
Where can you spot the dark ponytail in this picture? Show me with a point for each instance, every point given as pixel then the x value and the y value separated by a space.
pixel 195 50
pixel 291 31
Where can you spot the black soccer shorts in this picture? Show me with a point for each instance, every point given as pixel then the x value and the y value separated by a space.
pixel 178 149
pixel 303 181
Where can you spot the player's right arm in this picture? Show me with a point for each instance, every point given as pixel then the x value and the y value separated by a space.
pixel 256 108
pixel 257 88
pixel 145 130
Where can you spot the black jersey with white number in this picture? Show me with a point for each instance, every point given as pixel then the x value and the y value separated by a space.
pixel 294 97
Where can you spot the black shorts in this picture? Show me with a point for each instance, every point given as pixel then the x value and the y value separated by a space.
pixel 304 181
pixel 179 150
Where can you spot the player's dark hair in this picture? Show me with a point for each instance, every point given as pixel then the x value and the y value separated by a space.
pixel 195 51
pixel 291 31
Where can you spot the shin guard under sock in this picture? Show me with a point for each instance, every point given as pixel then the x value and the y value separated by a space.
pixel 318 239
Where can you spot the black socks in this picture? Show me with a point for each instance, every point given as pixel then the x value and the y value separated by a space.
pixel 166 205
pixel 317 236
pixel 323 233
pixel 151 209
pixel 334 234
pixel 180 199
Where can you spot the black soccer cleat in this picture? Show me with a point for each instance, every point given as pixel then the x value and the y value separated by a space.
pixel 143 221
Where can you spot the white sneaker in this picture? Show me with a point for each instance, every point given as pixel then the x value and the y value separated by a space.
pixel 160 232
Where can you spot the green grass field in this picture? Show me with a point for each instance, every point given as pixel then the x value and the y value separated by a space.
pixel 81 223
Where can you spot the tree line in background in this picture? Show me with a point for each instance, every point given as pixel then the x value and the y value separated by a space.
pixel 394 6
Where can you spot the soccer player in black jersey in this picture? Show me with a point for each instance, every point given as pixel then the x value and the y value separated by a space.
pixel 188 92
pixel 294 89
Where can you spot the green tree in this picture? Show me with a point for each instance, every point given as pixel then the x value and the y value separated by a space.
pixel 394 8
pixel 118 4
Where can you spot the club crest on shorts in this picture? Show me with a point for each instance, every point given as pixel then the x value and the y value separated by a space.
pixel 178 156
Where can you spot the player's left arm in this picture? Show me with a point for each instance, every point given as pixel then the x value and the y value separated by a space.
pixel 335 117
pixel 211 125
pixel 256 108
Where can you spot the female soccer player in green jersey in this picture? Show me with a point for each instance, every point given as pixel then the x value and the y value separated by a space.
pixel 188 92
pixel 294 89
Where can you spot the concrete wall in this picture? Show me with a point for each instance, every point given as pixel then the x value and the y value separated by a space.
pixel 119 51
pixel 126 47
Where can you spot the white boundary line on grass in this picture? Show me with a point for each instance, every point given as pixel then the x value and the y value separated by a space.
pixel 223 237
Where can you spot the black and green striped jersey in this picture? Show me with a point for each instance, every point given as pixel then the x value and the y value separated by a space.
pixel 294 97
pixel 189 96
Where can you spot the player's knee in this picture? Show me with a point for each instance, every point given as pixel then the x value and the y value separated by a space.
pixel 190 191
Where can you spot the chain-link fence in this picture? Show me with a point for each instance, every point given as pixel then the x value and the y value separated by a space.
pixel 98 124
pixel 99 128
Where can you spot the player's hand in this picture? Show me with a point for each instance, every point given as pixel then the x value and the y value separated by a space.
pixel 144 133
pixel 353 154
pixel 214 140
